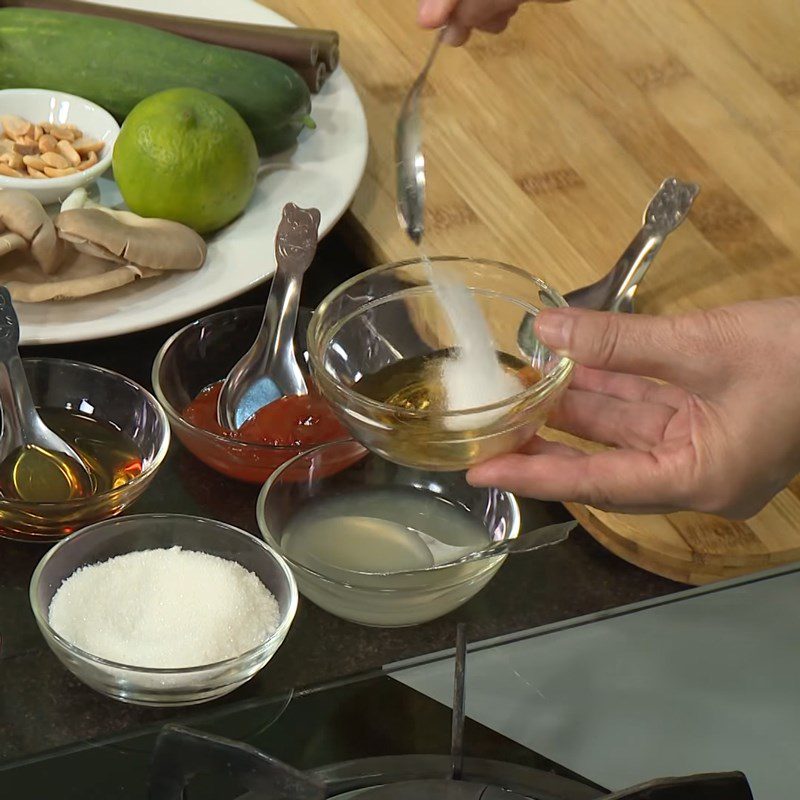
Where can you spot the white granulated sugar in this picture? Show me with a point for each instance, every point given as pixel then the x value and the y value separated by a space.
pixel 468 387
pixel 474 377
pixel 165 608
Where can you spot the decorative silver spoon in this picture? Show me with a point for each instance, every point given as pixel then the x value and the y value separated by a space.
pixel 24 431
pixel 666 210
pixel 410 161
pixel 271 369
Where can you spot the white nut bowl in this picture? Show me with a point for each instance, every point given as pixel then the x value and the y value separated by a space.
pixel 44 105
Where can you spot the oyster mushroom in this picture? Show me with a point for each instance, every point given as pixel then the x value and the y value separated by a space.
pixel 126 238
pixel 24 225
pixel 80 276
pixel 92 249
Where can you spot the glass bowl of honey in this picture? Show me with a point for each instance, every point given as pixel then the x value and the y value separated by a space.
pixel 421 360
pixel 380 544
pixel 187 375
pixel 116 426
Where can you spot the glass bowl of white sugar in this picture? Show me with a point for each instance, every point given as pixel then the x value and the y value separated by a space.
pixel 421 361
pixel 163 609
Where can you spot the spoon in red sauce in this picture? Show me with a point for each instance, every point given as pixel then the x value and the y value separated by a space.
pixel 271 369
pixel 298 421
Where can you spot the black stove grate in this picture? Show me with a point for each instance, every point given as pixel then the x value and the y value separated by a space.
pixel 181 754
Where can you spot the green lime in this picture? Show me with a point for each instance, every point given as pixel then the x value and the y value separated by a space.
pixel 186 155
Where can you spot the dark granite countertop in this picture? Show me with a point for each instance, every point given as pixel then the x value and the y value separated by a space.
pixel 42 706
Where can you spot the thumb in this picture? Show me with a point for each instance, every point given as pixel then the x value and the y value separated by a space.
pixel 679 350
pixel 435 13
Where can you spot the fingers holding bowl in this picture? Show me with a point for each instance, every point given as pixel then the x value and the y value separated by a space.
pixel 627 481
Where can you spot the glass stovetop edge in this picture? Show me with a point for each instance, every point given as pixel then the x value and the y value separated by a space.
pixel 598 616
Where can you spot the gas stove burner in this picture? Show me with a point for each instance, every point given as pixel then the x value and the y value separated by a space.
pixel 181 754
pixel 368 778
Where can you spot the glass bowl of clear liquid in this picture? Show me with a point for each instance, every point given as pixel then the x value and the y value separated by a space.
pixel 379 543
pixel 421 362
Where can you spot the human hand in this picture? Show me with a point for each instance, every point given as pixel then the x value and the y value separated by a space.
pixel 461 16
pixel 722 435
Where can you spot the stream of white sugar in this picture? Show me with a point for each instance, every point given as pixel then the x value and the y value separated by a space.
pixel 473 376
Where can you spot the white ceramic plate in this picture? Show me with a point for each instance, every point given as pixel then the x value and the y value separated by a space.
pixel 322 172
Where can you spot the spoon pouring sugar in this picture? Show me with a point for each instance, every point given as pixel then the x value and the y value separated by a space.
pixel 409 159
pixel 36 464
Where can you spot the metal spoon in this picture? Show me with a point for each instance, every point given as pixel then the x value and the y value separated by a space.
pixel 23 428
pixel 271 369
pixel 666 210
pixel 410 162
pixel 451 555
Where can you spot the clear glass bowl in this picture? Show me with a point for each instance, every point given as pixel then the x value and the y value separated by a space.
pixel 161 687
pixel 200 354
pixel 401 599
pixel 108 397
pixel 391 313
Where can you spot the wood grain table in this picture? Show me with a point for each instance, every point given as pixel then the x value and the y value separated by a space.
pixel 543 146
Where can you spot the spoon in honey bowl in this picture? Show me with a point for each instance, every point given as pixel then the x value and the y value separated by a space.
pixel 36 465
pixel 271 368
pixel 665 212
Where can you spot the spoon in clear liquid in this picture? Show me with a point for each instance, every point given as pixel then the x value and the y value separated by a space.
pixel 36 464
pixel 270 369
pixel 359 544
pixel 431 553
pixel 446 555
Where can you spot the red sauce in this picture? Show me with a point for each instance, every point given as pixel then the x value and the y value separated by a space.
pixel 292 423
pixel 302 421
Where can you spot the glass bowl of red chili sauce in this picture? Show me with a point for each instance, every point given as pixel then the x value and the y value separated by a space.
pixel 187 376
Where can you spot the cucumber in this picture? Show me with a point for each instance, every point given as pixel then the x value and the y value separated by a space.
pixel 116 64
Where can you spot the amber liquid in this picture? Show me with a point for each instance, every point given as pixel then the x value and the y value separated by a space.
pixel 415 384
pixel 110 456
pixel 429 440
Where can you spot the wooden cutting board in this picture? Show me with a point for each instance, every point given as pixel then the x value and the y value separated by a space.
pixel 543 146
pixel 695 548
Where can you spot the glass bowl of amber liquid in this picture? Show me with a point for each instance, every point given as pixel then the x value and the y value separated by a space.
pixel 378 345
pixel 117 427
